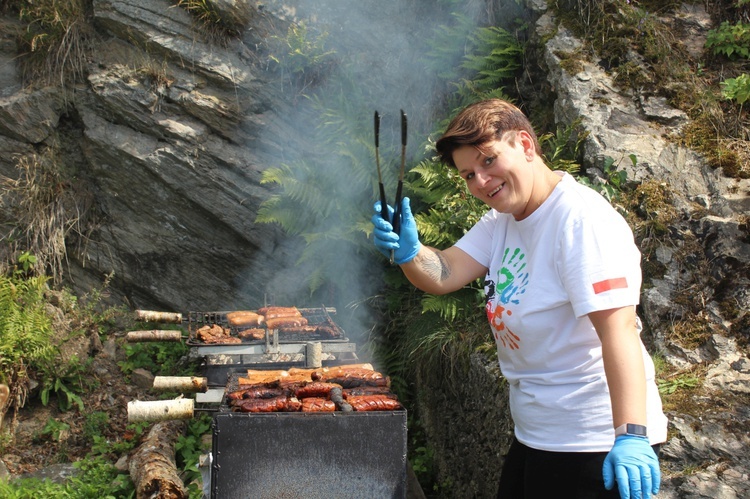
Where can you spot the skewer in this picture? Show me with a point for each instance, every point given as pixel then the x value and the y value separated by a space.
pixel 383 204
pixel 397 202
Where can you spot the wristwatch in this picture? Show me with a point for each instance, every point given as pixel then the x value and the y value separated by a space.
pixel 631 429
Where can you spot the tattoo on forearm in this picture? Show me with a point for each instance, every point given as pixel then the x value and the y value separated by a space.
pixel 435 266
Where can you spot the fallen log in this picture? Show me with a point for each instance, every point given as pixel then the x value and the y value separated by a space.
pixel 152 466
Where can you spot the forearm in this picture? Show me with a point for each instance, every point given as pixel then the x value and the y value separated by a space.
pixel 623 365
pixel 429 271
pixel 442 271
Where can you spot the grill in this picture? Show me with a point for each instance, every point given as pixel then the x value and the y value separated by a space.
pixel 310 455
pixel 328 332
pixel 344 453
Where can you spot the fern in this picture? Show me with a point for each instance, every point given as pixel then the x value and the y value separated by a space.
pixel 450 307
pixel 25 333
pixel 449 46
pixel 496 59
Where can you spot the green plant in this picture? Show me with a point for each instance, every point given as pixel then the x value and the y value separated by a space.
pixel 737 89
pixel 563 148
pixel 56 430
pixel 302 57
pixel 26 261
pixel 159 358
pixel 25 333
pixel 103 446
pixel 95 422
pixel 495 60
pixel 731 40
pixel 65 381
pixel 189 447
pixel 613 183
pixel 95 478
pixel 685 382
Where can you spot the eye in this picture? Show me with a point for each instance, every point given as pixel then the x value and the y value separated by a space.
pixel 489 160
pixel 469 176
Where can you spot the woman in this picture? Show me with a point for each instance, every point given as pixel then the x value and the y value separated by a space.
pixel 562 280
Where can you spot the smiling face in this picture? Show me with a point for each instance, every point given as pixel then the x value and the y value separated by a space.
pixel 501 173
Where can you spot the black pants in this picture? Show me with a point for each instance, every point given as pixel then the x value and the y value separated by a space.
pixel 535 474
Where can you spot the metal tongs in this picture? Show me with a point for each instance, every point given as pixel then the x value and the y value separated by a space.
pixel 396 223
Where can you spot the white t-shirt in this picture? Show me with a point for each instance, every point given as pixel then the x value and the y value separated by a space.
pixel 574 255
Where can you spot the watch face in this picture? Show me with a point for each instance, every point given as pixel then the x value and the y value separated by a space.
pixel 636 429
pixel 631 429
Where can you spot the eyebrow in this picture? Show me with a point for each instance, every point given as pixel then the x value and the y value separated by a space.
pixel 476 158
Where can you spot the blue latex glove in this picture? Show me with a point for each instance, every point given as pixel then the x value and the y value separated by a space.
pixel 634 465
pixel 406 245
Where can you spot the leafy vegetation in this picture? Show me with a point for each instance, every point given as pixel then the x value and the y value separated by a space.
pixel 25 333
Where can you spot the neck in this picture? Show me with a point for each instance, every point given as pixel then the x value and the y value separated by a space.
pixel 545 181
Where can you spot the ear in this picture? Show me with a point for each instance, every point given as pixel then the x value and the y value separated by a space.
pixel 527 142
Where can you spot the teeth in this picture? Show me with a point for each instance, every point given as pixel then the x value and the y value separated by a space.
pixel 495 191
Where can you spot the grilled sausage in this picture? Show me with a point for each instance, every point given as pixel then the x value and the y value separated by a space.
pixel 275 404
pixel 315 389
pixel 275 312
pixel 258 392
pixel 317 404
pixel 368 390
pixel 244 318
pixel 285 322
pixel 373 403
pixel 350 378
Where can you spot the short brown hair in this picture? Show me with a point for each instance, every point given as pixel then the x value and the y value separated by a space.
pixel 480 123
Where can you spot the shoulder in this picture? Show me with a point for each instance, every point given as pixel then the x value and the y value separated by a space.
pixel 579 202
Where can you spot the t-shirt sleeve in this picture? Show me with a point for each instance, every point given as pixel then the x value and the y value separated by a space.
pixel 599 263
pixel 478 241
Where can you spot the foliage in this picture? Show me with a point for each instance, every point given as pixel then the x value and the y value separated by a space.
pixel 95 478
pixel 55 429
pixel 113 448
pixel 614 180
pixel 562 149
pixel 302 58
pixel 65 381
pixel 494 61
pixel 737 89
pixel 670 386
pixel 731 40
pixel 162 359
pixel 188 449
pixel 25 333
pixel 56 40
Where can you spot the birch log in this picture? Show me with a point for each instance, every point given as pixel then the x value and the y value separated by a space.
pixel 153 316
pixel 182 384
pixel 152 466
pixel 160 410
pixel 154 335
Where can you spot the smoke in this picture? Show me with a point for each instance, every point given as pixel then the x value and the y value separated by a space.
pixel 362 56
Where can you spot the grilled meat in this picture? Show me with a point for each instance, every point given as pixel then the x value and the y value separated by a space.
pixel 373 403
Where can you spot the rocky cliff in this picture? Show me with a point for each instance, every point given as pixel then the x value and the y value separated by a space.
pixel 166 142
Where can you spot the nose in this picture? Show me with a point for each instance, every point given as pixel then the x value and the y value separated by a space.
pixel 481 178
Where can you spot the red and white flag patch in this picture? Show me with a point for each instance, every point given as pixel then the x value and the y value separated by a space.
pixel 609 284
